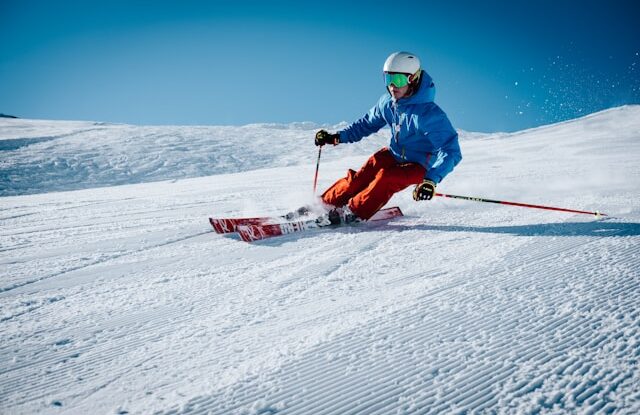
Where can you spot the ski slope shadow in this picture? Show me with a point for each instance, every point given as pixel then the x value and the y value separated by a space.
pixel 600 229
pixel 290 237
pixel 17 143
pixel 597 229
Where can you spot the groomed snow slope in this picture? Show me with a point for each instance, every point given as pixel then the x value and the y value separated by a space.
pixel 121 299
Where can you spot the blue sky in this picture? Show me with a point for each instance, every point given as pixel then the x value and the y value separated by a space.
pixel 498 65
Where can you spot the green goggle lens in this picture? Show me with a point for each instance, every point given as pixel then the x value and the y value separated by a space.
pixel 398 79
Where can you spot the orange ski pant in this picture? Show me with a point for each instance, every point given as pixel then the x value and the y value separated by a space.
pixel 370 188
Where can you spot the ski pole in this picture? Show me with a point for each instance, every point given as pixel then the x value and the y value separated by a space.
pixel 527 205
pixel 315 179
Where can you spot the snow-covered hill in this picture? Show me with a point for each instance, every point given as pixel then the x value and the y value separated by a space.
pixel 44 156
pixel 121 300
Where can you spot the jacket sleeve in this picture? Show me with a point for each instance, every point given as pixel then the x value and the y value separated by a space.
pixel 367 125
pixel 444 160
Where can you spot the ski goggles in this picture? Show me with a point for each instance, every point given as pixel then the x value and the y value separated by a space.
pixel 399 80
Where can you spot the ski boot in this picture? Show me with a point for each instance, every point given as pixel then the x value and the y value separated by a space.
pixel 298 213
pixel 338 216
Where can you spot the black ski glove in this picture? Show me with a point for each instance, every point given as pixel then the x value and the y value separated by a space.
pixel 424 191
pixel 323 137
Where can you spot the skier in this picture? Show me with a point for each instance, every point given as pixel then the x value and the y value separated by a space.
pixel 424 146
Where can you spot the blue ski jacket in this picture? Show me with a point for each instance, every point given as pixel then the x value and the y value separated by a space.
pixel 420 130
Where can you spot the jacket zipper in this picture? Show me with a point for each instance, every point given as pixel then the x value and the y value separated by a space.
pixel 396 133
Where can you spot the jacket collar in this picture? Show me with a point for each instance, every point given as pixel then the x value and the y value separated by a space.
pixel 424 94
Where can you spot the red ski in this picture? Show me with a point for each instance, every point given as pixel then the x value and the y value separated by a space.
pixel 228 225
pixel 252 232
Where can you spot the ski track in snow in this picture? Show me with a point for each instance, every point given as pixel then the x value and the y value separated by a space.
pixel 122 299
pixel 431 363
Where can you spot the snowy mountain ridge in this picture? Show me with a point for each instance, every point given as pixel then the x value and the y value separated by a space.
pixel 43 156
pixel 121 299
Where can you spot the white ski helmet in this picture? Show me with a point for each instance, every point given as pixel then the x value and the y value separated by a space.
pixel 402 62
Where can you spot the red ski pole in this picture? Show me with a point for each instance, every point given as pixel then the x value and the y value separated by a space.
pixel 315 179
pixel 527 205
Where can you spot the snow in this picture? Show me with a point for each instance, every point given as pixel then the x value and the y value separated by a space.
pixel 119 298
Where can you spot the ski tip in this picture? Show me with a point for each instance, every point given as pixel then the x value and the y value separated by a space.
pixel 213 224
pixel 387 213
pixel 220 226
